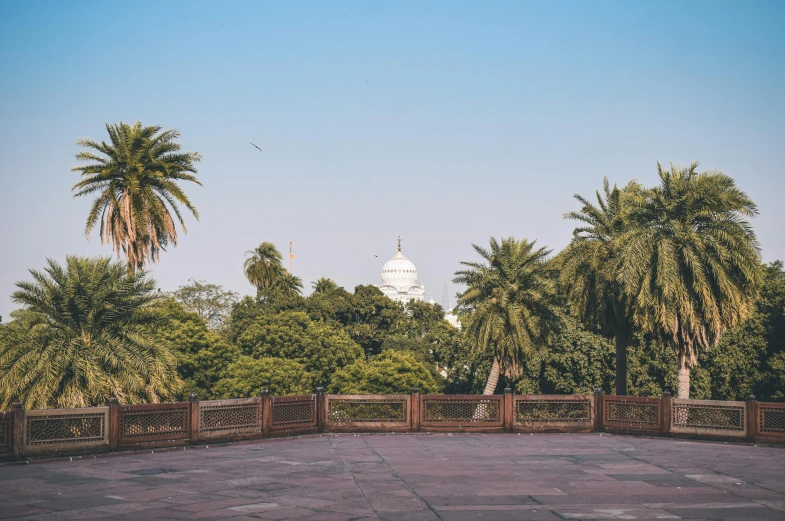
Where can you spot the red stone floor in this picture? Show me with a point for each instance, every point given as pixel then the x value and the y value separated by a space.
pixel 411 477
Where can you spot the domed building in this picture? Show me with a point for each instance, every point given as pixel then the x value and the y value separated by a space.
pixel 399 279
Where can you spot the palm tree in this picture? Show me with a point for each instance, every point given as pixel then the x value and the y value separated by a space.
pixel 507 302
pixel 88 334
pixel 324 285
pixel 288 284
pixel 588 268
pixel 136 180
pixel 691 266
pixel 263 267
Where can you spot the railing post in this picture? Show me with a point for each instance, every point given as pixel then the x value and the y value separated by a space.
pixel 19 427
pixel 597 409
pixel 415 410
pixel 507 415
pixel 321 412
pixel 267 413
pixel 194 417
pixel 114 422
pixel 752 419
pixel 665 413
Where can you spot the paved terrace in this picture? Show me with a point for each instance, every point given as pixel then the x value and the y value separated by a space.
pixel 492 477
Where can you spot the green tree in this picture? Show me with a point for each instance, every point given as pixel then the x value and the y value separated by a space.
pixel 422 318
pixel 203 356
pixel 691 265
pixel 248 376
pixel 333 306
pixel 209 301
pixel 578 362
pixel 93 338
pixel 324 285
pixel 771 307
pixel 507 302
pixel 372 317
pixel 263 267
pixel 391 372
pixel 775 377
pixel 589 265
pixel 318 347
pixel 136 181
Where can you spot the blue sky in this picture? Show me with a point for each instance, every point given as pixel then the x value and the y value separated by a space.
pixel 443 122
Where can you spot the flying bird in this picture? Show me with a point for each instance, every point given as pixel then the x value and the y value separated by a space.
pixel 257 148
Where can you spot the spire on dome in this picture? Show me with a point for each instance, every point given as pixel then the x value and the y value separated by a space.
pixel 399 243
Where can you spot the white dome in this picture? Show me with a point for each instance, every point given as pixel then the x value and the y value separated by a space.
pixel 399 271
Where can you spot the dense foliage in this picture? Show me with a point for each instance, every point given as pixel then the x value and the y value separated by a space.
pixel 659 288
pixel 87 333
pixel 391 372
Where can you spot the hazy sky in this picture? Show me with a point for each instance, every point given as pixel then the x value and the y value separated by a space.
pixel 443 122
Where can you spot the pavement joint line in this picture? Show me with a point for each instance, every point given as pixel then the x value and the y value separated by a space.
pixel 427 504
pixel 346 468
pixel 709 484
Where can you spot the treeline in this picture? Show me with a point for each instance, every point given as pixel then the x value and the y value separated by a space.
pixel 660 288
pixel 58 350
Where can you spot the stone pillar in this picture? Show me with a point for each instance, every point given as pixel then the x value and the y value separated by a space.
pixel 267 413
pixel 665 413
pixel 114 422
pixel 598 405
pixel 751 413
pixel 19 429
pixel 507 412
pixel 194 417
pixel 321 408
pixel 415 410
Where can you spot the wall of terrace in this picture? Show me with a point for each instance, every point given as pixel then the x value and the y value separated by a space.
pixel 115 427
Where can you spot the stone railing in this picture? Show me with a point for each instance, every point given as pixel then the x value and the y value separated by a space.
pixel 116 427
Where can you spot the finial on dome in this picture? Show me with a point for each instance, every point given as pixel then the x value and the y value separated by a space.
pixel 399 243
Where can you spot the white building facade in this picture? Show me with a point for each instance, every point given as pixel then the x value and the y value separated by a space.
pixel 399 282
pixel 399 279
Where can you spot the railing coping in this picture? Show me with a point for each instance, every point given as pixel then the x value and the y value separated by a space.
pixel 67 412
pixel 726 403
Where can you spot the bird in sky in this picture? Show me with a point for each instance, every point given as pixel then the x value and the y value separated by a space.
pixel 257 148
pixel 375 255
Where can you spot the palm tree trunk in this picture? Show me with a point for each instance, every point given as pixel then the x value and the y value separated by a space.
pixel 684 381
pixel 493 378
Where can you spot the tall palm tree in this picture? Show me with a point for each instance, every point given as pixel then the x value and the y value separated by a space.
pixel 588 267
pixel 263 267
pixel 324 285
pixel 691 266
pixel 136 181
pixel 89 334
pixel 507 302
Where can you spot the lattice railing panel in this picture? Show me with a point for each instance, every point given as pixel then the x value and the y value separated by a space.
pixel 771 419
pixel 341 410
pixel 221 417
pixel 566 410
pixel 631 413
pixel 294 413
pixel 149 423
pixel 461 411
pixel 6 432
pixel 73 427
pixel 707 415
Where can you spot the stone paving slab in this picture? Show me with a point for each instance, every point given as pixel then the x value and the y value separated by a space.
pixel 493 477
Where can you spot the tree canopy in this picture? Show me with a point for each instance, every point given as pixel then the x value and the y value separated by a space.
pixel 136 181
pixel 88 332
